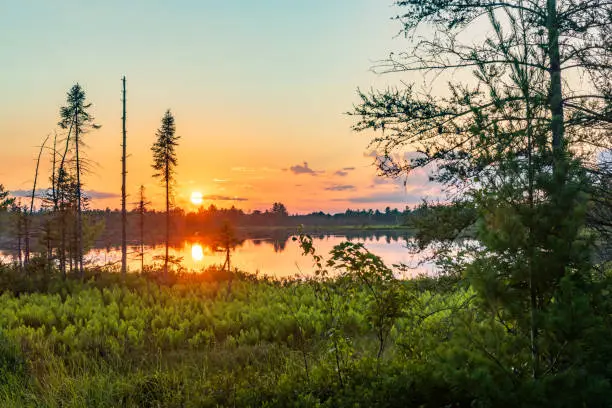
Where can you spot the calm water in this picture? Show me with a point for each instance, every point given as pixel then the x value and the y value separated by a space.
pixel 277 258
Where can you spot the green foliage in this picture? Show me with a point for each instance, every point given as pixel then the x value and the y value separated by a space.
pixel 135 342
pixel 523 171
pixel 353 335
pixel 12 364
pixel 434 223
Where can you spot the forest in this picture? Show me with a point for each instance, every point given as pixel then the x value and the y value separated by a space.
pixel 205 221
pixel 519 312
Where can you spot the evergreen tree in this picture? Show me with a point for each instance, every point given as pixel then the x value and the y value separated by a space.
pixel 279 210
pixel 513 145
pixel 76 118
pixel 5 200
pixel 164 164
pixel 141 208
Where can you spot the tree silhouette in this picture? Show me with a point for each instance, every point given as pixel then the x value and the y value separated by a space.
pixel 548 42
pixel 164 164
pixel 5 200
pixel 505 141
pixel 76 118
pixel 279 210
pixel 28 215
pixel 123 186
pixel 141 208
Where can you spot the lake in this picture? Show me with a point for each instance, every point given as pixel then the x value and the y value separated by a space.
pixel 267 256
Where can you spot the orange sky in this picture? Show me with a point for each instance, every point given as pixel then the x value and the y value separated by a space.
pixel 257 92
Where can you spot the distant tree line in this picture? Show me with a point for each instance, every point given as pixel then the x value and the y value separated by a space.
pixel 147 226
pixel 211 219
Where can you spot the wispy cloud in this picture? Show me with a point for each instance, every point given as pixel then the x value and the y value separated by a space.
pixel 304 169
pixel 384 197
pixel 243 169
pixel 215 197
pixel 101 194
pixel 28 193
pixel 43 192
pixel 340 187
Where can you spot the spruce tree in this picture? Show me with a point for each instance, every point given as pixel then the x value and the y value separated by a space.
pixel 75 117
pixel 164 164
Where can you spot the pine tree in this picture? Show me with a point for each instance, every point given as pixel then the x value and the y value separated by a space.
pixel 76 118
pixel 5 200
pixel 141 208
pixel 515 143
pixel 164 164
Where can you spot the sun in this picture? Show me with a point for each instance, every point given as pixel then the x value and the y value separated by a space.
pixel 197 198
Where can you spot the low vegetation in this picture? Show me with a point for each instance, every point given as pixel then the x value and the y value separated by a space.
pixel 353 335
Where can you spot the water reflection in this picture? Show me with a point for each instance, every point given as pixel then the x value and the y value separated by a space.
pixel 279 258
pixel 276 255
pixel 197 253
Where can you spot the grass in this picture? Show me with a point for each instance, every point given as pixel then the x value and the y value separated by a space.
pixel 193 340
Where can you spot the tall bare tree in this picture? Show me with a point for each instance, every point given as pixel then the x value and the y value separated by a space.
pixel 123 194
pixel 28 216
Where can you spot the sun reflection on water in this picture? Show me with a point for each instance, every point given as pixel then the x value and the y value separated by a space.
pixel 269 257
pixel 197 253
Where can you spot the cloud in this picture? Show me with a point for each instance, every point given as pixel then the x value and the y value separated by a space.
pixel 384 197
pixel 244 169
pixel 43 192
pixel 304 169
pixel 343 172
pixel 221 180
pixel 340 187
pixel 214 197
pixel 27 193
pixel 101 194
pixel 378 181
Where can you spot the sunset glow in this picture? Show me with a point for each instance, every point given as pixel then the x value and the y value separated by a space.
pixel 197 198
pixel 248 137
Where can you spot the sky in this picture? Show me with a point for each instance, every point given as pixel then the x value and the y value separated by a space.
pixel 259 91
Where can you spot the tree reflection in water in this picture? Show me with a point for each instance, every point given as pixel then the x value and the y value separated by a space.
pixel 273 254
